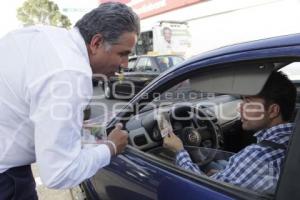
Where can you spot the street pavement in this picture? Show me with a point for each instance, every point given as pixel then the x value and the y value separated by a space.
pixel 100 106
pixel 48 194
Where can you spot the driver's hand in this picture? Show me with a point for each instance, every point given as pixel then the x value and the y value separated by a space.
pixel 212 172
pixel 172 142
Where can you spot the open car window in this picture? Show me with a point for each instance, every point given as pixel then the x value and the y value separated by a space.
pixel 216 97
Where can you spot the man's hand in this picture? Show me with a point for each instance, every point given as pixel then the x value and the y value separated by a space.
pixel 119 137
pixel 212 172
pixel 172 142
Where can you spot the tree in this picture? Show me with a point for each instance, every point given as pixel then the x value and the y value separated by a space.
pixel 42 12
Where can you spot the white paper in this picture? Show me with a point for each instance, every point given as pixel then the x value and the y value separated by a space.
pixel 164 124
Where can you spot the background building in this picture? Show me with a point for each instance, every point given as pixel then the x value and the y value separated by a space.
pixel 211 23
pixel 215 23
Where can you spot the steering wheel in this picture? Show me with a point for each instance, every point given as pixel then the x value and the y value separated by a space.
pixel 201 133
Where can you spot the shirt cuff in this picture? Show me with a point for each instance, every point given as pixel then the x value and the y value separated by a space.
pixel 182 157
pixel 184 161
pixel 104 155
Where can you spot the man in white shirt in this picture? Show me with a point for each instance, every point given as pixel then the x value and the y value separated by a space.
pixel 45 84
pixel 167 43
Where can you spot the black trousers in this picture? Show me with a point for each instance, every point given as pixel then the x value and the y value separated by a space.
pixel 17 184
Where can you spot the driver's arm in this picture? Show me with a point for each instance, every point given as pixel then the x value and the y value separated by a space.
pixel 183 159
pixel 172 142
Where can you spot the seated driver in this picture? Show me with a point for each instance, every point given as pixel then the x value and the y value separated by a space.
pixel 257 166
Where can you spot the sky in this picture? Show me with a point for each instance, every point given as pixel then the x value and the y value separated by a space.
pixel 9 21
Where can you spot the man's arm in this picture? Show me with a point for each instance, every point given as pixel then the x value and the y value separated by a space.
pixel 183 159
pixel 250 168
pixel 56 109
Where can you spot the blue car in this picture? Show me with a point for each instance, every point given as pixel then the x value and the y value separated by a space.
pixel 209 85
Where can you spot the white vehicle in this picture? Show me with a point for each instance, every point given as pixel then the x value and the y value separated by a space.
pixel 165 37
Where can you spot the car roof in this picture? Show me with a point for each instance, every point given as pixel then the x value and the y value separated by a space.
pixel 137 56
pixel 243 51
pixel 273 42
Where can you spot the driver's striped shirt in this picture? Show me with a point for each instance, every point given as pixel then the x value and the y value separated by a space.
pixel 255 167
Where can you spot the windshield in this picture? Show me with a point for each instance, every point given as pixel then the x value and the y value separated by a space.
pixel 168 61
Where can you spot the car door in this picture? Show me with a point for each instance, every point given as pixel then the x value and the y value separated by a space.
pixel 138 175
pixel 134 176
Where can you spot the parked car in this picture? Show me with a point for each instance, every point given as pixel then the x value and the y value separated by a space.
pixel 140 72
pixel 209 85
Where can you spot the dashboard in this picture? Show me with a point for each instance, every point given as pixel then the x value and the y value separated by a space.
pixel 144 133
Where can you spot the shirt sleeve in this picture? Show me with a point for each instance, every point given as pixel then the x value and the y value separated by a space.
pixel 250 168
pixel 56 109
pixel 184 161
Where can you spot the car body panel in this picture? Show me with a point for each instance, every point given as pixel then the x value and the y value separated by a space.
pixel 146 180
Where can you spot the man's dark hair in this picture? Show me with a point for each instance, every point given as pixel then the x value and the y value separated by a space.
pixel 280 90
pixel 111 20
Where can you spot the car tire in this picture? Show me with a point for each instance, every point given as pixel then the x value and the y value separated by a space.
pixel 108 91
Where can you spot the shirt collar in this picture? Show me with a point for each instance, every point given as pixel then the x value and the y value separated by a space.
pixel 274 132
pixel 80 43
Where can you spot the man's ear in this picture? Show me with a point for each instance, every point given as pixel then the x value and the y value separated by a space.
pixel 274 111
pixel 97 42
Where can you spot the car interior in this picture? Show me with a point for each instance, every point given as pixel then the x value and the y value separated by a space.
pixel 202 107
pixel 203 111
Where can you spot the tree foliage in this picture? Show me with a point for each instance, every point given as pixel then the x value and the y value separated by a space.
pixel 42 12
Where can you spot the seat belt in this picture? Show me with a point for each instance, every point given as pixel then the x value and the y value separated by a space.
pixel 273 145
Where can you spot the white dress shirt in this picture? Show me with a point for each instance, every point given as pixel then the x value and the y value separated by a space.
pixel 45 83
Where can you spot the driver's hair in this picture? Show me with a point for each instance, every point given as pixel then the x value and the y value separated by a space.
pixel 280 90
